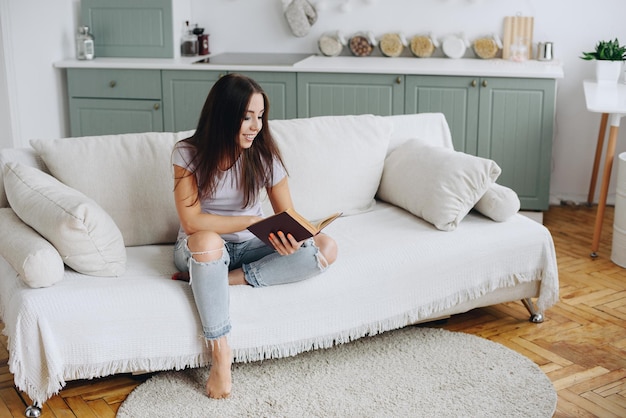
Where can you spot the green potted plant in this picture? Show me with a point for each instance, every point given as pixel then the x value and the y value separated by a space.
pixel 609 56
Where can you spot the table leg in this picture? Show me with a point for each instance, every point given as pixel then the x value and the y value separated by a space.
pixel 596 162
pixel 604 189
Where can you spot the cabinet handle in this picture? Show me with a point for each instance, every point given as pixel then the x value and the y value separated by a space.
pixel 112 83
pixel 473 83
pixel 399 80
pixel 156 106
pixel 484 83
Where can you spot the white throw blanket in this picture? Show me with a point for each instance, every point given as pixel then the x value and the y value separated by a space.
pixel 84 327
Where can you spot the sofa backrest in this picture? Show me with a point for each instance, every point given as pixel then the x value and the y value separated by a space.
pixel 129 176
pixel 429 128
pixel 335 164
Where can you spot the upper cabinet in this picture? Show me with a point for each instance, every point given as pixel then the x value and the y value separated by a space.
pixel 130 28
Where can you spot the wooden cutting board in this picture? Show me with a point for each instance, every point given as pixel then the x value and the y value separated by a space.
pixel 517 28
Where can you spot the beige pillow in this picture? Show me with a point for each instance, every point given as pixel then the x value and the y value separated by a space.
pixel 84 234
pixel 26 156
pixel 498 203
pixel 437 184
pixel 37 262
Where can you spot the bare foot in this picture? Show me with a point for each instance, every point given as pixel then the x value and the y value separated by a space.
pixel 219 383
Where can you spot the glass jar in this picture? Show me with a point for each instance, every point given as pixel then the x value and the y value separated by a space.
pixel 519 50
pixel 487 47
pixel 362 44
pixel 392 44
pixel 84 44
pixel 188 42
pixel 331 43
pixel 422 46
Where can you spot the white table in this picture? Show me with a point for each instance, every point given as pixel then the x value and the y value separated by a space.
pixel 610 100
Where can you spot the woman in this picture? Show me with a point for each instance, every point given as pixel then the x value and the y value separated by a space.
pixel 218 174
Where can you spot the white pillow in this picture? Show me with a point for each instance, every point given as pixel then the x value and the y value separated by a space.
pixel 84 234
pixel 26 156
pixel 130 176
pixel 437 184
pixel 498 203
pixel 35 259
pixel 334 162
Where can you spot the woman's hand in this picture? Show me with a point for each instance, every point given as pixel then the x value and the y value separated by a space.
pixel 284 244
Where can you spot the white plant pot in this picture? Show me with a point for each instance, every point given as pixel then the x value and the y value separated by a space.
pixel 608 71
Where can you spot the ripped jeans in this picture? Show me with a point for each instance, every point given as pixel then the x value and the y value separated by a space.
pixel 262 266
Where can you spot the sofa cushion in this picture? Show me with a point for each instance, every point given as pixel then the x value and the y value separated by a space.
pixel 38 263
pixel 26 156
pixel 129 176
pixel 498 203
pixel 334 162
pixel 84 234
pixel 437 184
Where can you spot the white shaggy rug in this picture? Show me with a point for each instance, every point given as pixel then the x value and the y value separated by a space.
pixel 411 372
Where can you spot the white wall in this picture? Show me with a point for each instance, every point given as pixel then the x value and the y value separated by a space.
pixel 42 32
pixel 6 125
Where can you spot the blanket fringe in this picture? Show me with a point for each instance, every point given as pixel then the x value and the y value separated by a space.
pixel 548 296
pixel 88 372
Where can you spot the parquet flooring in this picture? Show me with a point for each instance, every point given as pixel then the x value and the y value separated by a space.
pixel 581 346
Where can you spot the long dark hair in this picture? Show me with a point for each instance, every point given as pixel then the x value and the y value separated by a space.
pixel 216 140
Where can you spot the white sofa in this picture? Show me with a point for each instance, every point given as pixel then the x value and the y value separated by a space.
pixel 85 272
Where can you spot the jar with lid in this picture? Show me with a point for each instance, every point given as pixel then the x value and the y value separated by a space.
pixel 361 44
pixel 423 46
pixel 84 44
pixel 188 42
pixel 487 47
pixel 454 46
pixel 203 40
pixel 392 44
pixel 331 43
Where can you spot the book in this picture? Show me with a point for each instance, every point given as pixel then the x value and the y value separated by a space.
pixel 290 222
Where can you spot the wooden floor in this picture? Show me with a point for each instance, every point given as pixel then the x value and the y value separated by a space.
pixel 581 346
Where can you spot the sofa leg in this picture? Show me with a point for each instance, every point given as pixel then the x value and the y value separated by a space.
pixel 33 410
pixel 536 316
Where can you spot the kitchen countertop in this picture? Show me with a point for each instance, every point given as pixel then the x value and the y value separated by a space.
pixel 341 64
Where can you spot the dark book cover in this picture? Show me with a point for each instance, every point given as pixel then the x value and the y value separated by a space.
pixel 289 222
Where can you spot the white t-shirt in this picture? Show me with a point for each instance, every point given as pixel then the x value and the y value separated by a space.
pixel 228 199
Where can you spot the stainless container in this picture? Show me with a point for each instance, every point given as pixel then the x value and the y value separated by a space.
pixel 544 51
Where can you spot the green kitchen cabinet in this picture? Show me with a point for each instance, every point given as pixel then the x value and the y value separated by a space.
pixel 281 90
pixel 323 94
pixel 455 97
pixel 184 94
pixel 509 120
pixel 112 101
pixel 130 28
